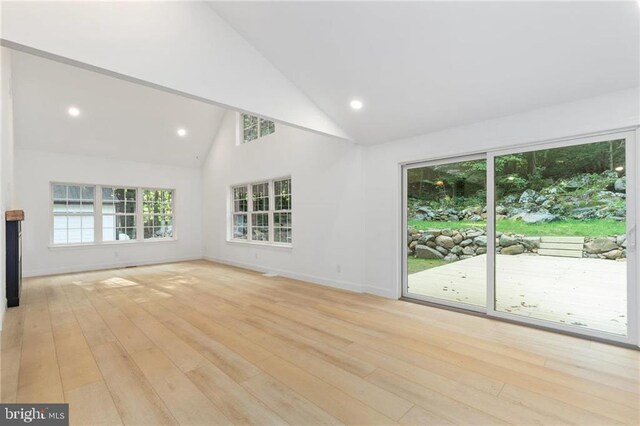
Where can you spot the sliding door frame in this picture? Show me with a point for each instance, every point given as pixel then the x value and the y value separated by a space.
pixel 405 223
pixel 631 166
pixel 631 338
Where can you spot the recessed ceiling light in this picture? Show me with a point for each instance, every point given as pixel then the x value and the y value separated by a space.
pixel 619 169
pixel 73 111
pixel 356 104
pixel 182 132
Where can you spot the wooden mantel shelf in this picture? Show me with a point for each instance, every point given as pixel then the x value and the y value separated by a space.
pixel 14 215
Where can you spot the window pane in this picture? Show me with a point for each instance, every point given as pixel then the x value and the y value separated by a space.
pixel 60 236
pixel 60 222
pixel 74 192
pixel 60 193
pixel 87 235
pixel 260 197
pixel 260 227
pixel 108 234
pixel 267 127
pixel 74 206
pixel 75 222
pixel 107 194
pixel 77 227
pixel 240 226
pixel 250 134
pixel 75 236
pixel 249 120
pixel 88 193
pixel 282 235
pixel 59 206
pixel 87 222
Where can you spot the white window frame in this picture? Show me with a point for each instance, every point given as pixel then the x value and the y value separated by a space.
pixel 632 338
pixel 240 128
pixel 140 219
pixel 97 216
pixel 270 212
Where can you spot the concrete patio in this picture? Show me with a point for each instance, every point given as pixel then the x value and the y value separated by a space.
pixel 589 293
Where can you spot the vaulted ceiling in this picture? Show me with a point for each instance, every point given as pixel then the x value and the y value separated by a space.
pixel 118 119
pixel 424 66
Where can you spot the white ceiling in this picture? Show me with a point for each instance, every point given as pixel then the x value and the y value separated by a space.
pixel 424 66
pixel 119 119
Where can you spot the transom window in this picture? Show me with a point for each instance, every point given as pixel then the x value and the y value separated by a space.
pixel 261 212
pixel 124 214
pixel 254 127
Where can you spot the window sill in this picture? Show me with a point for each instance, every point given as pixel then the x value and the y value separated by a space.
pixel 261 244
pixel 111 244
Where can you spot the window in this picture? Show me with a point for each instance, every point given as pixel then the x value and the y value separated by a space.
pixel 261 212
pixel 73 214
pixel 118 214
pixel 123 214
pixel 255 127
pixel 240 209
pixel 157 213
pixel 282 211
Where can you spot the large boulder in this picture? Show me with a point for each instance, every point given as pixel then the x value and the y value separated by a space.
pixel 442 250
pixel 600 245
pixel 474 233
pixel 507 240
pixel 513 249
pixel 466 242
pixel 481 250
pixel 620 185
pixel 528 196
pixel 480 241
pixel 537 217
pixel 469 250
pixel 613 254
pixel 451 257
pixel 531 243
pixel 424 252
pixel 457 238
pixel 457 250
pixel 445 241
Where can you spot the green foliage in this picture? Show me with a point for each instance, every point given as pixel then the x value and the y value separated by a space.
pixel 568 228
pixel 448 184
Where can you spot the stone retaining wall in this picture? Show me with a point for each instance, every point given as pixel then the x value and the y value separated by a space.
pixel 452 245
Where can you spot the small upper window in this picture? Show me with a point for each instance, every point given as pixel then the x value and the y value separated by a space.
pixel 255 127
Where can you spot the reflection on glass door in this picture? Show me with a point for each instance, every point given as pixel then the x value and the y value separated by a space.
pixel 561 235
pixel 446 236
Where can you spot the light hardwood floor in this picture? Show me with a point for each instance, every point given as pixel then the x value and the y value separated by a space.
pixel 202 343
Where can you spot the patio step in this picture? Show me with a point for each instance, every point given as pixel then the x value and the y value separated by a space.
pixel 561 246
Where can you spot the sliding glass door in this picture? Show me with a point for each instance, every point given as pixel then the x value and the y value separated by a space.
pixel 554 248
pixel 446 242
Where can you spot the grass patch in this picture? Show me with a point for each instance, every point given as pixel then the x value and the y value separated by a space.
pixel 561 228
pixel 416 265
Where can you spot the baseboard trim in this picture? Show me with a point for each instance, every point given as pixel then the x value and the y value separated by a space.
pixel 342 285
pixel 102 267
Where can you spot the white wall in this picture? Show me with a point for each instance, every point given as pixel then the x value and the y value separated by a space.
pixel 328 222
pixel 6 163
pixel 183 46
pixel 34 170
